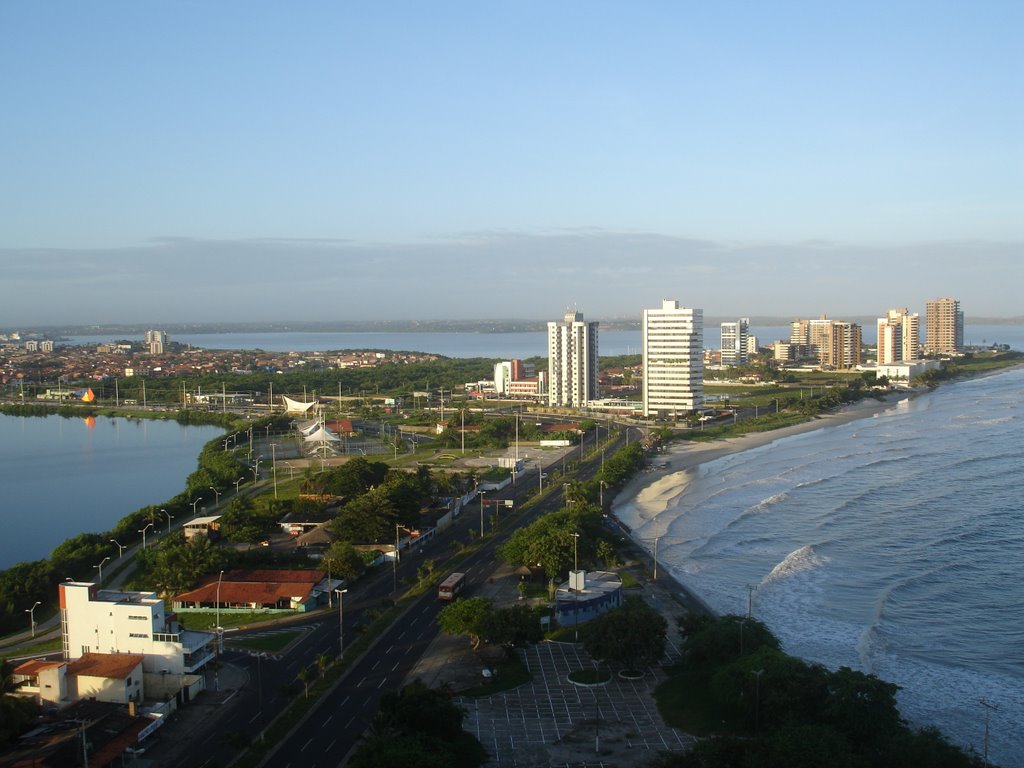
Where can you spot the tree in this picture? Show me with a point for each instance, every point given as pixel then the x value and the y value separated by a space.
pixel 466 617
pixel 16 714
pixel 323 661
pixel 633 635
pixel 343 561
pixel 176 565
pixel 306 677
pixel 513 626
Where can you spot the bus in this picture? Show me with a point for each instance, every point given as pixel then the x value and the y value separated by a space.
pixel 450 588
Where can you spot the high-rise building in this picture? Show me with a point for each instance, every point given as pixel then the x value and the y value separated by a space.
pixel 944 327
pixel 898 336
pixel 673 358
pixel 572 361
pixel 734 342
pixel 841 347
pixel 156 341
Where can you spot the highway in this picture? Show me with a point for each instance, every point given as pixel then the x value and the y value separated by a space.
pixel 334 726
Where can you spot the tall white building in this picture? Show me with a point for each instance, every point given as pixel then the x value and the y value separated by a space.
pixel 110 621
pixel 898 336
pixel 734 342
pixel 673 357
pixel 156 341
pixel 572 361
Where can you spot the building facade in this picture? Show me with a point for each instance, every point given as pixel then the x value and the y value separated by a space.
pixel 111 621
pixel 572 361
pixel 673 360
pixel 735 342
pixel 156 341
pixel 898 336
pixel 841 347
pixel 944 327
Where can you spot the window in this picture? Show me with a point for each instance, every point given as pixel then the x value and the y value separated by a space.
pixel 139 635
pixel 138 618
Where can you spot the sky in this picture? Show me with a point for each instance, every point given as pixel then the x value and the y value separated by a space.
pixel 247 161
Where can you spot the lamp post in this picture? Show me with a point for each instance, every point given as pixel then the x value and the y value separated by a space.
pixel 120 548
pixel 750 599
pixel 216 495
pixel 169 518
pixel 602 485
pixel 198 499
pixel 757 698
pixel 273 465
pixel 220 632
pixel 32 617
pixel 341 623
pixel 143 532
pixel 656 557
pixel 100 567
pixel 237 483
pixel 989 707
pixel 256 471
pixel 291 470
pixel 482 513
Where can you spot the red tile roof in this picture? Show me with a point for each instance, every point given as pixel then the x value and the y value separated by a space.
pixel 34 667
pixel 115 665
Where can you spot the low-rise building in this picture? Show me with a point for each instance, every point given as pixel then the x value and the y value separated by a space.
pixel 260 590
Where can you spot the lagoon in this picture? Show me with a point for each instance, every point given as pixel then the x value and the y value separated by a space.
pixel 65 476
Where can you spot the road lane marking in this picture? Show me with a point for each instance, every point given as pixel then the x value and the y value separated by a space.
pixel 331 746
pixel 327 721
pixel 350 721
pixel 375 665
pixel 396 666
pixel 360 683
pixel 306 745
pixel 389 650
pixel 383 680
pixel 343 702
pixel 400 636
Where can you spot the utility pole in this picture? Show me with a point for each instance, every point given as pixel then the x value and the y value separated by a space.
pixel 989 707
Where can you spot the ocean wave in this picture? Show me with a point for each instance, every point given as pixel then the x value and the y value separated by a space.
pixel 796 562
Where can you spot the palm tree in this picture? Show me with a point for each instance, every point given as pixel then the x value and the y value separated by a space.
pixel 306 676
pixel 323 661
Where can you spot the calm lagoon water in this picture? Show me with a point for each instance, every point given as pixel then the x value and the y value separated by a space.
pixel 65 476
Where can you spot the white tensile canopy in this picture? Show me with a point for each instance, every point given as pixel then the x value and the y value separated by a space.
pixel 294 406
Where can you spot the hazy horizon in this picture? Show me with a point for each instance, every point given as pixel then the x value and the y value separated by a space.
pixel 226 162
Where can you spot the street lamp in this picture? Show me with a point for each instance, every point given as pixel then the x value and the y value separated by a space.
pixel 602 484
pixel 575 561
pixel 169 518
pixel 143 532
pixel 239 480
pixel 750 599
pixel 32 617
pixel 256 471
pixel 216 496
pixel 198 499
pixel 341 623
pixel 757 698
pixel 291 470
pixel 220 632
pixel 100 567
pixel 273 465
pixel 120 548
pixel 482 513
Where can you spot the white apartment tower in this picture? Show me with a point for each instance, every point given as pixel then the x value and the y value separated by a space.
pixel 156 341
pixel 572 361
pixel 735 349
pixel 944 327
pixel 898 336
pixel 673 357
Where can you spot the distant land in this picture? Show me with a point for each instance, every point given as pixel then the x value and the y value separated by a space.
pixel 412 326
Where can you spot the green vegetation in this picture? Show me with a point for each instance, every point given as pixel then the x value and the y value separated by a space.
pixel 15 713
pixel 632 636
pixel 207 620
pixel 761 708
pixel 508 674
pixel 418 726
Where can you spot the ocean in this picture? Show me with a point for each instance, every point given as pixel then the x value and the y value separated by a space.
pixel 893 545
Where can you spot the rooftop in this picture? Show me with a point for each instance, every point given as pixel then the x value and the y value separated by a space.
pixel 113 665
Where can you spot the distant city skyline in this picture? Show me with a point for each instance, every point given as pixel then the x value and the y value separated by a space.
pixel 233 161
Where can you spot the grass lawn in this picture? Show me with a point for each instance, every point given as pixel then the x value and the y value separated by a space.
pixel 272 643
pixel 510 674
pixel 207 620
pixel 590 676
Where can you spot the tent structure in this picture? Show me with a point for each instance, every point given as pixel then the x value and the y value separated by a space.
pixel 294 406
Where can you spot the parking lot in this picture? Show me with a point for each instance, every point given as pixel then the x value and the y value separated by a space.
pixel 552 722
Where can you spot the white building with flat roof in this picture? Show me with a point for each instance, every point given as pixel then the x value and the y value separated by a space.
pixel 734 347
pixel 673 359
pixel 572 361
pixel 111 621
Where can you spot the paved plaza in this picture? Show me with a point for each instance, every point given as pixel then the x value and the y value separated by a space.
pixel 552 722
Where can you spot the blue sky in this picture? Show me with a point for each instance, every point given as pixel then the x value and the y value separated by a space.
pixel 476 159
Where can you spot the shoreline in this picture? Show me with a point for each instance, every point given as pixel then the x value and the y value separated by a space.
pixel 689 457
